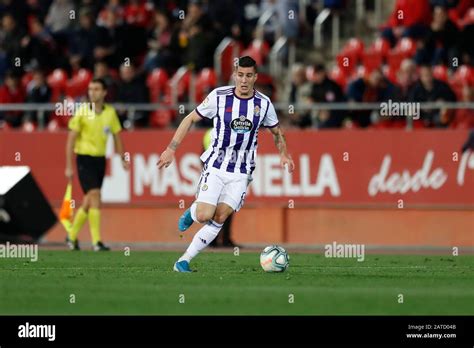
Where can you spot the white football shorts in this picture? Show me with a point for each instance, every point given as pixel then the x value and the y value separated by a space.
pixel 217 186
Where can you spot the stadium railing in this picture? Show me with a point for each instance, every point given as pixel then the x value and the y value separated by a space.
pixel 183 109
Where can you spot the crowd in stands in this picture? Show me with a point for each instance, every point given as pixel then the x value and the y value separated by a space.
pixel 50 49
pixel 424 54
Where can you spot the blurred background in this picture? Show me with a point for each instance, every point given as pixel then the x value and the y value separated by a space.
pixel 385 181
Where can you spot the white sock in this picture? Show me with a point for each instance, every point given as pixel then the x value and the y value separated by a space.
pixel 193 211
pixel 201 240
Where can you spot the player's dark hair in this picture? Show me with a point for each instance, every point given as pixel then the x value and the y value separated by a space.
pixel 101 81
pixel 247 62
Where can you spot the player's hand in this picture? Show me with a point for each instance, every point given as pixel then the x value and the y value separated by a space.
pixel 166 158
pixel 69 172
pixel 287 162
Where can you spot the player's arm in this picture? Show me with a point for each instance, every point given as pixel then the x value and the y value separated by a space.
pixel 168 155
pixel 280 143
pixel 119 149
pixel 71 140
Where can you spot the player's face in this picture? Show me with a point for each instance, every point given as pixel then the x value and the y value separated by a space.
pixel 244 80
pixel 96 92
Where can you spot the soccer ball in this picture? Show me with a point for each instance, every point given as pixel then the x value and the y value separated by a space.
pixel 274 259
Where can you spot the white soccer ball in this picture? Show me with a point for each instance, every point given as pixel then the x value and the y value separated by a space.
pixel 274 259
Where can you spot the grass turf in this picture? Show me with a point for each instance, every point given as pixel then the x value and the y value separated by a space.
pixel 144 283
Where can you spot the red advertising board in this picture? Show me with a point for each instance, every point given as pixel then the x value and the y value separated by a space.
pixel 377 167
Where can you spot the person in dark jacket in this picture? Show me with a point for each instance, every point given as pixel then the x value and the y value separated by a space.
pixel 429 89
pixel 132 89
pixel 325 90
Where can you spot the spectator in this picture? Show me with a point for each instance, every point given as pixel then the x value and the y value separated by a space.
pixel 12 92
pixel 83 41
pixel 376 88
pixel 281 20
pixel 132 89
pixel 39 48
pixel 37 91
pixel 429 89
pixel 11 36
pixel 466 47
pixel 117 42
pixel 102 71
pixel 59 19
pixel 160 44
pixel 439 46
pixel 299 92
pixel 406 78
pixel 16 8
pixel 116 7
pixel 408 19
pixel 199 52
pixel 325 90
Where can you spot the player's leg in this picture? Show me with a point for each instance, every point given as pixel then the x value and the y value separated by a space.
pixel 80 218
pixel 203 210
pixel 94 220
pixel 98 169
pixel 205 235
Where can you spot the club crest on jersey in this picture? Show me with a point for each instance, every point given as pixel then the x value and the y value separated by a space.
pixel 107 130
pixel 256 110
pixel 241 125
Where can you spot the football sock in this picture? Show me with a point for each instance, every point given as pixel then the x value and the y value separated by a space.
pixel 79 219
pixel 201 240
pixel 94 224
pixel 192 209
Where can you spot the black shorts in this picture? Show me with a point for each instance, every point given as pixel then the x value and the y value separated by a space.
pixel 91 172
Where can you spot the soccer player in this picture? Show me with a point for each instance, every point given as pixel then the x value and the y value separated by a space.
pixel 237 113
pixel 89 130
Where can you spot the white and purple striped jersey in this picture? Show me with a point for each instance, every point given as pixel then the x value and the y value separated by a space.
pixel 236 120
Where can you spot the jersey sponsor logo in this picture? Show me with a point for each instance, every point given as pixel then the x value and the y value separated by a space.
pixel 241 125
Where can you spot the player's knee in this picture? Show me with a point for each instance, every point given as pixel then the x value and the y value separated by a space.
pixel 203 216
pixel 94 198
pixel 220 217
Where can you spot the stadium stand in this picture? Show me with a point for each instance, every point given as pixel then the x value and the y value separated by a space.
pixel 181 60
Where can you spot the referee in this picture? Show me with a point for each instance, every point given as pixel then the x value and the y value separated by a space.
pixel 89 130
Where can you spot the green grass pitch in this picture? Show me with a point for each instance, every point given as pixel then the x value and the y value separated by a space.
pixel 224 284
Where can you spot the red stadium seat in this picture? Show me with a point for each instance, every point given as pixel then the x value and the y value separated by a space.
pixel 350 56
pixel 440 72
pixel 157 83
pixel 57 82
pixel 464 75
pixel 206 81
pixel 258 50
pixel 405 48
pixel 375 55
pixel 77 85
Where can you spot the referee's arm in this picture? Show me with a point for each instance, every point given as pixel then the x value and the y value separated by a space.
pixel 119 149
pixel 71 140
